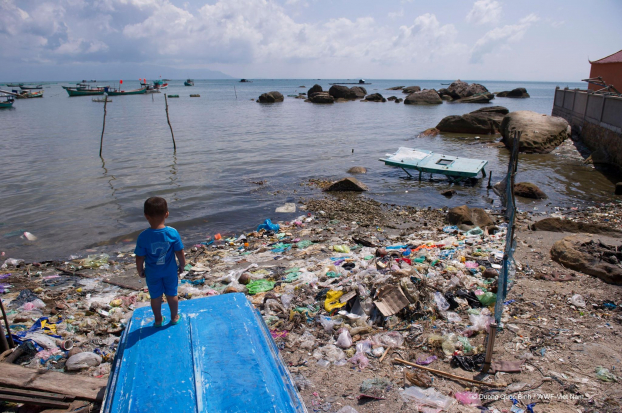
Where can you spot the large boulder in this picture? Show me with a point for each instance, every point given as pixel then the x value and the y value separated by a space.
pixel 321 97
pixel 271 97
pixel 396 88
pixel 357 170
pixel 463 215
pixel 375 97
pixel 342 92
pixel 424 97
pixel 479 98
pixel 411 89
pixel 528 190
pixel 565 225
pixel 359 91
pixel 540 133
pixel 347 185
pixel 314 89
pixel 519 92
pixel 460 89
pixel 583 254
pixel 481 122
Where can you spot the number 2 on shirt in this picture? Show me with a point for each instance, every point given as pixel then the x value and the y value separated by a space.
pixel 163 248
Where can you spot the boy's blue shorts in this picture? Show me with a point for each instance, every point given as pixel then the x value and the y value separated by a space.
pixel 166 285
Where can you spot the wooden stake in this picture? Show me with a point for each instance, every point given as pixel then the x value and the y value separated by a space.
pixel 451 376
pixel 169 123
pixel 490 346
pixel 101 142
pixel 6 323
pixel 385 353
pixel 236 93
pixel 489 178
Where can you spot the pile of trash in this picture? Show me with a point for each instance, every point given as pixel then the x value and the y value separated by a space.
pixel 334 294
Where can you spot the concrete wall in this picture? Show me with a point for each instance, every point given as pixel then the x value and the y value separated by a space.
pixel 597 118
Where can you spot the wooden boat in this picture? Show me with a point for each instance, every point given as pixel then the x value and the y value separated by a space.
pixel 8 103
pixel 455 168
pixel 189 82
pixel 21 86
pixel 13 84
pixel 245 81
pixel 220 357
pixel 25 94
pixel 116 92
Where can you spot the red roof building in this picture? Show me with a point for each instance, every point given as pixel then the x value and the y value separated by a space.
pixel 610 69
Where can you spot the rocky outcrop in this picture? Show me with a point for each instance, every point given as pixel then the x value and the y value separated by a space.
pixel 395 99
pixel 424 97
pixel 375 97
pixel 344 92
pixel 357 170
pixel 565 225
pixel 314 89
pixel 347 185
pixel 479 98
pixel 463 215
pixel 445 95
pixel 396 88
pixel 271 97
pixel 528 190
pixel 460 89
pixel 359 91
pixel 519 92
pixel 411 89
pixel 481 122
pixel 540 133
pixel 321 97
pixel 581 253
pixel 429 132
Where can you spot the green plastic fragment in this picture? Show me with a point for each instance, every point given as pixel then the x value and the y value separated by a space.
pixel 341 248
pixel 487 298
pixel 466 346
pixel 187 267
pixel 368 257
pixel 419 260
pixel 332 274
pixel 304 244
pixel 259 286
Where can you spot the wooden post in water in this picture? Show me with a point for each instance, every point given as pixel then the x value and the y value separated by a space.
pixel 169 123
pixel 489 178
pixel 236 93
pixel 101 142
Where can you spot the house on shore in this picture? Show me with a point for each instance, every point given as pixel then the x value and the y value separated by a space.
pixel 609 69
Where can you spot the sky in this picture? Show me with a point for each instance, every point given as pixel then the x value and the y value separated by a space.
pixel 529 40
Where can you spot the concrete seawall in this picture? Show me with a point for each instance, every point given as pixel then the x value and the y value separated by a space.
pixel 596 118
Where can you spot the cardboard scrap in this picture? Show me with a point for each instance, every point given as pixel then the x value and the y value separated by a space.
pixel 347 297
pixel 391 300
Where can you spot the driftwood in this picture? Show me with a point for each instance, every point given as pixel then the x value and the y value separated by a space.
pixel 449 375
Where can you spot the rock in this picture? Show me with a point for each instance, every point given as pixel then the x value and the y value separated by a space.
pixel 357 170
pixel 469 216
pixel 347 185
pixel 449 193
pixel 540 133
pixel 618 190
pixel 599 157
pixel 490 273
pixel 411 89
pixel 83 361
pixel 343 92
pixel 396 88
pixel 321 97
pixel 581 253
pixel 447 98
pixel 399 100
pixel 528 190
pixel 230 290
pixel 460 89
pixel 245 278
pixel 375 97
pixel 429 132
pixel 479 98
pixel 565 225
pixel 519 92
pixel 314 89
pixel 425 97
pixel 482 121
pixel 271 97
pixel 392 98
pixel 360 91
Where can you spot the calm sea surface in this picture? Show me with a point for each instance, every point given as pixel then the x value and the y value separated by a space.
pixel 54 184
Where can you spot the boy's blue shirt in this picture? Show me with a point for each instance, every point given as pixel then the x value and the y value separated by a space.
pixel 158 246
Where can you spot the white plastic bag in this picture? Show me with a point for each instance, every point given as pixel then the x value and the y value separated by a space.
pixel 577 300
pixel 82 361
pixel 344 340
pixel 441 302
pixel 43 340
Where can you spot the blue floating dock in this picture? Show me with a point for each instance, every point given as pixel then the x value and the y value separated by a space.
pixel 421 160
pixel 219 358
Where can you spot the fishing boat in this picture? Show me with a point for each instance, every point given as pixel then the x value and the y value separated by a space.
pixel 23 87
pixel 454 167
pixel 160 84
pixel 84 90
pixel 219 357
pixel 117 92
pixel 13 84
pixel 7 103
pixel 26 94
pixel 189 82
pixel 245 81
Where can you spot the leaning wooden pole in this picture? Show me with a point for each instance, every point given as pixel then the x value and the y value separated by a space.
pixel 169 123
pixel 101 141
pixel 6 323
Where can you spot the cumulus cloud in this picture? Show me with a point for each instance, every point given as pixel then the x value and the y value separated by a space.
pixel 396 14
pixel 500 37
pixel 485 12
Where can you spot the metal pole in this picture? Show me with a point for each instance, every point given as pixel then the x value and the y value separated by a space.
pixel 6 323
pixel 101 142
pixel 169 123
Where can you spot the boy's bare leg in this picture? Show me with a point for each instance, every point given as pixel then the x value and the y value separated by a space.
pixel 173 304
pixel 156 307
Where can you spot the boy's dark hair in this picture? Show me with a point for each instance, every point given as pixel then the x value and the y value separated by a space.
pixel 156 207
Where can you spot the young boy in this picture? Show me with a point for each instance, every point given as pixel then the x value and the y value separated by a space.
pixel 157 247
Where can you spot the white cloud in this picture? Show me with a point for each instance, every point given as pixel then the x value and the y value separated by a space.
pixel 485 12
pixel 396 14
pixel 499 37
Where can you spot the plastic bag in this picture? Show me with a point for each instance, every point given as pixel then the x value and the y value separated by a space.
pixel 441 302
pixel 360 360
pixel 487 298
pixel 329 352
pixel 33 305
pixel 453 317
pixel 344 340
pixel 428 397
pixel 577 300
pixel 286 299
pixel 480 322
pixel 376 387
pixel 43 340
pixel 467 397
pixel 259 286
pixel 377 352
pixel 392 339
pixel 328 323
pixel 268 226
pixel 332 300
pixel 306 341
pixel 341 248
pixel 605 375
pixel 83 361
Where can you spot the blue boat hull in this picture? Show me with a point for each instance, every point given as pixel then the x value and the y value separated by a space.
pixel 219 358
